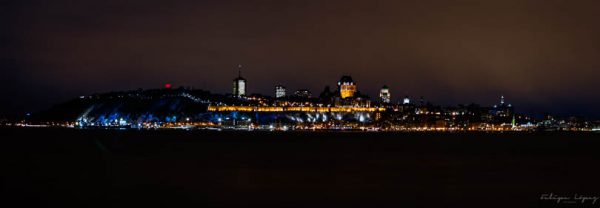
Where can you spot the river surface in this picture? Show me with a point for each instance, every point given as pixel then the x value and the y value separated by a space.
pixel 175 168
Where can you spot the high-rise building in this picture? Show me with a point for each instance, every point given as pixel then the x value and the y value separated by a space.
pixel 384 94
pixel 503 112
pixel 280 91
pixel 239 84
pixel 347 87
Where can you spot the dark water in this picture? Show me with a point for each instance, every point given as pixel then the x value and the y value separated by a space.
pixel 111 168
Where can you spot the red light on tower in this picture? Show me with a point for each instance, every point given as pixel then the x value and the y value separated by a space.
pixel 168 86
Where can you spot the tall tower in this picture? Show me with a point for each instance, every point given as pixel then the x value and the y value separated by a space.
pixel 384 94
pixel 347 87
pixel 239 84
pixel 280 91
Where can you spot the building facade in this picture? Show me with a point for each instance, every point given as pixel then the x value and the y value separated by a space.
pixel 280 91
pixel 384 94
pixel 239 86
pixel 347 87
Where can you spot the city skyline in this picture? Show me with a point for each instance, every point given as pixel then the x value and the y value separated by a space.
pixel 394 98
pixel 540 54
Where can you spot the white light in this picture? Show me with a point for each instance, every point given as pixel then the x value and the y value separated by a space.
pixel 242 88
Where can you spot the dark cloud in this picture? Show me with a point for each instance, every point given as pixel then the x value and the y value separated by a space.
pixel 542 55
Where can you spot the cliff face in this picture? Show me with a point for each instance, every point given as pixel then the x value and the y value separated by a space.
pixel 140 106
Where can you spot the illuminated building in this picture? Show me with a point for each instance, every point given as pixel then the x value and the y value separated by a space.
pixel 303 93
pixel 406 100
pixel 347 87
pixel 239 85
pixel 384 94
pixel 280 91
pixel 504 112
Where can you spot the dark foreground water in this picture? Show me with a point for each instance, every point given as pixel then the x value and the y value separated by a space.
pixel 111 168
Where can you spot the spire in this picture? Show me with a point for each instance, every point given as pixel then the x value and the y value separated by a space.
pixel 502 100
pixel 239 77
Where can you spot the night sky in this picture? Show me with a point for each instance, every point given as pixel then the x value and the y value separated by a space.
pixel 544 56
